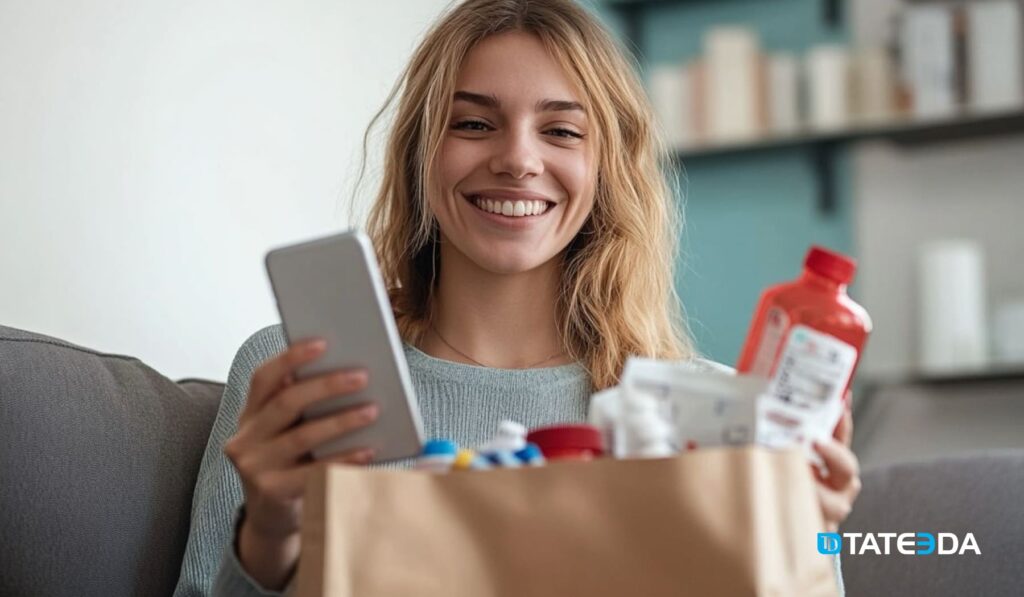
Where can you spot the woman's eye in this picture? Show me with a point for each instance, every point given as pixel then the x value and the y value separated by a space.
pixel 566 133
pixel 470 125
pixel 480 126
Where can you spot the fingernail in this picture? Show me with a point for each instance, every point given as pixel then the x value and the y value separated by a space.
pixel 315 347
pixel 369 412
pixel 344 379
pixel 366 454
pixel 340 383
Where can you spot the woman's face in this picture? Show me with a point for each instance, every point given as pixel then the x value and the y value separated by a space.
pixel 517 168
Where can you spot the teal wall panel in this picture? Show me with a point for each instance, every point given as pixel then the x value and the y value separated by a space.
pixel 675 30
pixel 749 217
pixel 749 221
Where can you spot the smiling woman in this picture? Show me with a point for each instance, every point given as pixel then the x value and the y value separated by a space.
pixel 525 196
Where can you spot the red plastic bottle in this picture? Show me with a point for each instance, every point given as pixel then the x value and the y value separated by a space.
pixel 568 442
pixel 807 337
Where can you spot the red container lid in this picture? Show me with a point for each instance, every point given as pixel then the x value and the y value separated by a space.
pixel 830 264
pixel 571 437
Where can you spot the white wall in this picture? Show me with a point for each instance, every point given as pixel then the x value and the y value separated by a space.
pixel 151 152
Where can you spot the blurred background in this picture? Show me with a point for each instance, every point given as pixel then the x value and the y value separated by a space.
pixel 890 130
pixel 150 154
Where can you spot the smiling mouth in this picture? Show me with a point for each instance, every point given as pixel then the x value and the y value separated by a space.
pixel 509 208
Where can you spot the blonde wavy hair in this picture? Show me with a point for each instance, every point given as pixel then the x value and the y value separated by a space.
pixel 617 297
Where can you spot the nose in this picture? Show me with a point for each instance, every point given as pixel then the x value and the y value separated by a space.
pixel 517 155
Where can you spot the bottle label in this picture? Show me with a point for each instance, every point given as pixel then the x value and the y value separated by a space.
pixel 775 326
pixel 805 394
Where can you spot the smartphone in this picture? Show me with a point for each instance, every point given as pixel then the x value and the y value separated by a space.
pixel 331 288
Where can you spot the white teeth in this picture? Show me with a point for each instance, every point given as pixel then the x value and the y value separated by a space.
pixel 514 209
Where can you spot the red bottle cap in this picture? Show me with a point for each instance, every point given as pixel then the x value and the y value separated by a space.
pixel 830 264
pixel 567 437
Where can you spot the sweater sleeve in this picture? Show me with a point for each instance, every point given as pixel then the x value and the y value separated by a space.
pixel 231 578
pixel 209 552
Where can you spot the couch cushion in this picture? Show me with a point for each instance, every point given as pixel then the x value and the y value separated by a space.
pixel 977 493
pixel 99 458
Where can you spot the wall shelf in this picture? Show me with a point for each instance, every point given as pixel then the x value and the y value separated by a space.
pixel 821 148
pixel 903 131
pixel 906 132
pixel 822 145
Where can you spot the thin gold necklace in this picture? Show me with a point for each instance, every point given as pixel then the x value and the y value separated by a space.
pixel 449 345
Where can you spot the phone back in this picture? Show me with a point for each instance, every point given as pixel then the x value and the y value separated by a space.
pixel 331 288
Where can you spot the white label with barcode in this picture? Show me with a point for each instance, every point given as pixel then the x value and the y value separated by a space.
pixel 804 400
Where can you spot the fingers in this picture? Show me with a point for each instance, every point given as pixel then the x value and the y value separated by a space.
pixel 291 446
pixel 839 486
pixel 290 483
pixel 274 372
pixel 844 431
pixel 285 408
pixel 841 463
pixel 835 507
pixel 270 452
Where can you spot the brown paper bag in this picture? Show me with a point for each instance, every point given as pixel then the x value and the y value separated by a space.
pixel 728 521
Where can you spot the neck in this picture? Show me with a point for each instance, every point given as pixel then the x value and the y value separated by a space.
pixel 499 320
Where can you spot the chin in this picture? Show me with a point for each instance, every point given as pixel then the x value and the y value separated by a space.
pixel 509 264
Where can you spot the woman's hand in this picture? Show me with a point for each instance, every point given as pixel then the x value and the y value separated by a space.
pixel 271 453
pixel 839 486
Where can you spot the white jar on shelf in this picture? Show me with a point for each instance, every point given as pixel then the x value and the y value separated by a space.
pixel 953 330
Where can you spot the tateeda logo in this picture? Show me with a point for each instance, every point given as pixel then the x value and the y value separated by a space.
pixel 911 544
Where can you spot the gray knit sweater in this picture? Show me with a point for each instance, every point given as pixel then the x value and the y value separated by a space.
pixel 461 402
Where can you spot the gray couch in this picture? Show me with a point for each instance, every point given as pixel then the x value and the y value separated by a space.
pixel 99 457
pixel 100 453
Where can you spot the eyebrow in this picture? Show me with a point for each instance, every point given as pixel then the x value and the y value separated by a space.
pixel 490 101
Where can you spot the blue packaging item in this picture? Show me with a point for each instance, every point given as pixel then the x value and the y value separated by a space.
pixel 531 455
pixel 480 463
pixel 437 455
pixel 440 446
pixel 504 459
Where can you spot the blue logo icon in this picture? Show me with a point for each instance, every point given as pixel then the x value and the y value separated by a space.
pixel 830 543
